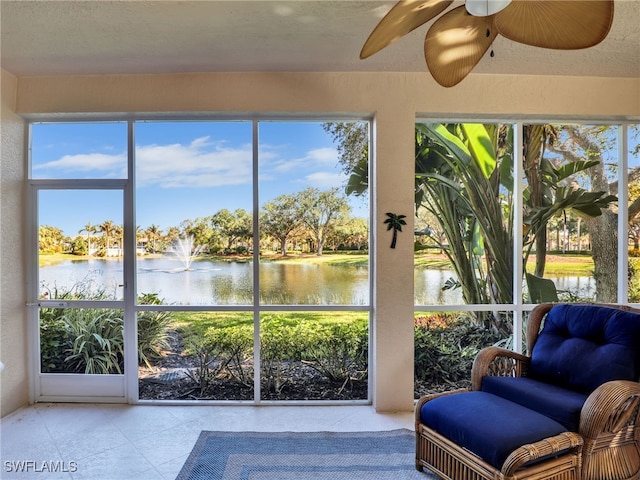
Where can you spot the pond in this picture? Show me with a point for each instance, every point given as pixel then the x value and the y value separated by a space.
pixel 231 283
pixel 217 282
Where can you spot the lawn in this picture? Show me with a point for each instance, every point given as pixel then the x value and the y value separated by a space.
pixel 195 324
pixel 327 258
pixel 567 264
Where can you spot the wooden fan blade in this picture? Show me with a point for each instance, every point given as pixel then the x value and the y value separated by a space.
pixel 404 17
pixel 455 43
pixel 557 24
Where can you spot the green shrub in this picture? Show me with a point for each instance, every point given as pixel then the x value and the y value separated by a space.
pixel 338 351
pixel 278 348
pixel 446 346
pixel 97 346
pixel 53 340
pixel 233 347
pixel 153 330
pixel 209 363
pixel 80 340
pixel 90 340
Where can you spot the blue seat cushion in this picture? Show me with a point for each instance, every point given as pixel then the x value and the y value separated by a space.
pixel 487 425
pixel 583 346
pixel 557 403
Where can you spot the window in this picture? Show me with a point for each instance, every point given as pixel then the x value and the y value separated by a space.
pixel 476 195
pixel 235 254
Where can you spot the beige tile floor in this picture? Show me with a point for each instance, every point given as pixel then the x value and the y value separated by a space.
pixel 144 442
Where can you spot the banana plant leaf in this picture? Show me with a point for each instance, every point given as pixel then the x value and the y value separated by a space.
pixel 541 290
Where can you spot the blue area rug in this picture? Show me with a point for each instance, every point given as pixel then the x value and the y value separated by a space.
pixel 387 455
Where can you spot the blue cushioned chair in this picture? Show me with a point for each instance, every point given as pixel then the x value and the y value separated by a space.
pixel 580 375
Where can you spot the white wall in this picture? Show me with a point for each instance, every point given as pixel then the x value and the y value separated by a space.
pixel 392 99
pixel 13 337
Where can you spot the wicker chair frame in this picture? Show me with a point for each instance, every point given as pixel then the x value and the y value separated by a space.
pixel 606 447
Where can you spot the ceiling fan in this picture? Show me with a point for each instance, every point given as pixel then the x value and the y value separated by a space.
pixel 458 40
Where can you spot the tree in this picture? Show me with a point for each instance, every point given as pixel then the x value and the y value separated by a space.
pixel 233 226
pixel 118 232
pixel 89 229
pixel 242 227
pixel 319 210
pixel 466 172
pixel 153 234
pixel 200 230
pixel 464 180
pixel 108 230
pixel 427 225
pixel 353 233
pixel 589 144
pixel 352 139
pixel 173 233
pixel 279 218
pixel 79 246
pixel 50 240
pixel 560 195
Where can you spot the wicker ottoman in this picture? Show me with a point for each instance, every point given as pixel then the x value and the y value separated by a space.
pixel 474 435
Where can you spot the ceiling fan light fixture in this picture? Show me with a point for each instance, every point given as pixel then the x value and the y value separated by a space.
pixel 484 8
pixel 458 39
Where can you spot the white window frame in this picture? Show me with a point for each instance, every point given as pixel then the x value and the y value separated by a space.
pixel 93 388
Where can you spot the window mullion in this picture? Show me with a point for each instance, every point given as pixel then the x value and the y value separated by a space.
pixel 129 266
pixel 256 265
pixel 623 208
pixel 517 235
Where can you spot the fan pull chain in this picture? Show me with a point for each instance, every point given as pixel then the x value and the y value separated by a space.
pixel 492 54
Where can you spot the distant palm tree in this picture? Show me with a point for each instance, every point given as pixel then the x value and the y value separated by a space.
pixel 153 233
pixel 108 229
pixel 89 228
pixel 395 222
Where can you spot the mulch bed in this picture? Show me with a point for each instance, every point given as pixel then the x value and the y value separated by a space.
pixel 172 378
pixel 168 381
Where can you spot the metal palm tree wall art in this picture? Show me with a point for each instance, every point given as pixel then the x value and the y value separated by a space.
pixel 395 222
pixel 458 40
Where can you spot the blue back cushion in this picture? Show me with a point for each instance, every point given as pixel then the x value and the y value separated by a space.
pixel 583 346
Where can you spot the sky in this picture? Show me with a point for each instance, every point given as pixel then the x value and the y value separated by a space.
pixel 184 170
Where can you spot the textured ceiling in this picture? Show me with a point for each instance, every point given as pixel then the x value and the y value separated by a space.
pixel 134 37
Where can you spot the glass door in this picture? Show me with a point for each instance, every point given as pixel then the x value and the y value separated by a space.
pixel 80 293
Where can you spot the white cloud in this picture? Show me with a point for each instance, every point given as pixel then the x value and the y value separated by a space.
pixel 86 162
pixel 200 142
pixel 324 155
pixel 325 180
pixel 176 165
pixel 203 163
pixel 311 160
